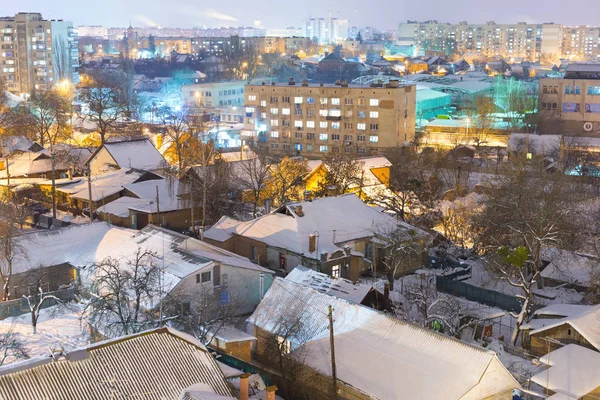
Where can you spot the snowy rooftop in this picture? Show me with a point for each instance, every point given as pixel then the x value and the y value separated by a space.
pixel 566 266
pixel 380 355
pixel 573 372
pixel 83 245
pixel 336 219
pixel 140 154
pixel 554 313
pixel 587 323
pixel 139 363
pixel 534 143
pixel 338 287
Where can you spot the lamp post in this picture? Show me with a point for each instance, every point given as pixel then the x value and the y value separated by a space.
pixel 468 120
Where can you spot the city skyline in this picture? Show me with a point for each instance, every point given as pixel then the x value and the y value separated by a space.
pixel 151 13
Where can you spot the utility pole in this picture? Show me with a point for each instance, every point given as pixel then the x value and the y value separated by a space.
pixel 53 185
pixel 7 173
pixel 157 206
pixel 90 193
pixel 331 344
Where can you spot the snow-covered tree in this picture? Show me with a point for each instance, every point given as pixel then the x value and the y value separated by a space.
pixel 11 347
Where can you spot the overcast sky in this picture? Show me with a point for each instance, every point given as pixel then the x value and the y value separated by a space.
pixel 383 14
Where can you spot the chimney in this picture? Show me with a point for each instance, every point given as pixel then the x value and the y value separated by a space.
pixel 338 82
pixel 299 211
pixel 261 278
pixel 308 195
pixel 305 83
pixel 244 390
pixel 271 392
pixel 292 82
pixel 272 83
pixel 344 83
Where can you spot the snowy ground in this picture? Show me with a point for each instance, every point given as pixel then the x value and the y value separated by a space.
pixel 68 217
pixel 57 327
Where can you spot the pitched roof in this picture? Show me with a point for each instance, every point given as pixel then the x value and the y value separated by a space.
pixel 336 219
pixel 333 56
pixel 160 363
pixel 586 323
pixel 380 355
pixel 573 372
pixel 323 283
pixel 138 153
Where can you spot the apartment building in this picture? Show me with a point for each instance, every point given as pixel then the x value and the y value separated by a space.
pixel 571 105
pixel 581 42
pixel 36 53
pixel 225 99
pixel 315 119
pixel 517 41
pixel 164 45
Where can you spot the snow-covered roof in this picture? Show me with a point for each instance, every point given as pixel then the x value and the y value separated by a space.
pixel 370 163
pixel 84 245
pixel 378 354
pixel 569 267
pixel 573 371
pixel 554 313
pixel 22 164
pixel 339 287
pixel 168 199
pixel 336 219
pixel 587 323
pixel 139 153
pixel 534 143
pixel 139 364
pixel 13 143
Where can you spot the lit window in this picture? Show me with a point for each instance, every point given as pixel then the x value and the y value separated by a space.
pixel 322 136
pixel 274 111
pixel 310 124
pixel 335 271
pixel 263 103
pixel 335 113
pixel 323 149
pixel 323 113
pixel 274 134
pixel 374 102
pixel 361 127
pixel 323 100
pixel 298 124
pixel 249 109
pixel 323 124
pixel 374 114
pixel 298 100
pixel 373 139
pixel 251 97
pixel 335 101
pixel 285 111
pixel 274 122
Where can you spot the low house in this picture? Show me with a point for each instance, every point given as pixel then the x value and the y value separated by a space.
pixel 30 164
pixel 159 364
pixel 332 62
pixel 232 341
pixel 572 373
pixel 137 153
pixel 574 270
pixel 191 267
pixel 581 327
pixel 377 356
pixel 359 293
pixel 333 235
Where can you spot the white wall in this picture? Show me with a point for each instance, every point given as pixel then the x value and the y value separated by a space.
pixel 101 158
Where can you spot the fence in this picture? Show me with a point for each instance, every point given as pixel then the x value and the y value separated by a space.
pixel 480 295
pixel 17 307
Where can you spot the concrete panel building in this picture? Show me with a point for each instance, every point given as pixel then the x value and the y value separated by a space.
pixel 315 119
pixel 36 53
pixel 571 105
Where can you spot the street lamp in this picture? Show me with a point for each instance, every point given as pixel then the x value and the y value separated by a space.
pixel 468 120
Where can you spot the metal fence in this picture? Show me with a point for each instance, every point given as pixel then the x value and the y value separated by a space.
pixel 17 307
pixel 480 295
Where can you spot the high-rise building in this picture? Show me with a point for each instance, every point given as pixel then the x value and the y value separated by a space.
pixel 316 119
pixel 37 53
pixel 581 42
pixel 521 40
pixel 326 30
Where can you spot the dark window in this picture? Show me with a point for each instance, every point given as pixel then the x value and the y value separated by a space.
pixel 282 260
pixel 217 275
pixel 206 276
pixel 197 278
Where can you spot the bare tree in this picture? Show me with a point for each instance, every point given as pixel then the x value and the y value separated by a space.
pixel 481 121
pixel 10 249
pixel 37 296
pixel 106 101
pixel 403 250
pixel 254 179
pixel 11 347
pixel 287 180
pixel 528 210
pixel 122 291
pixel 343 173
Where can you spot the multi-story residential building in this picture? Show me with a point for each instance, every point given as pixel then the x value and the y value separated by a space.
pixel 326 30
pixel 93 31
pixel 581 42
pixel 36 53
pixel 517 41
pixel 316 119
pixel 224 99
pixel 571 105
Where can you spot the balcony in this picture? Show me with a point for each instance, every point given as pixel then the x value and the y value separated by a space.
pixel 332 118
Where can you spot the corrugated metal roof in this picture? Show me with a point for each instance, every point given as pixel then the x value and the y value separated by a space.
pixel 156 364
pixel 380 355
